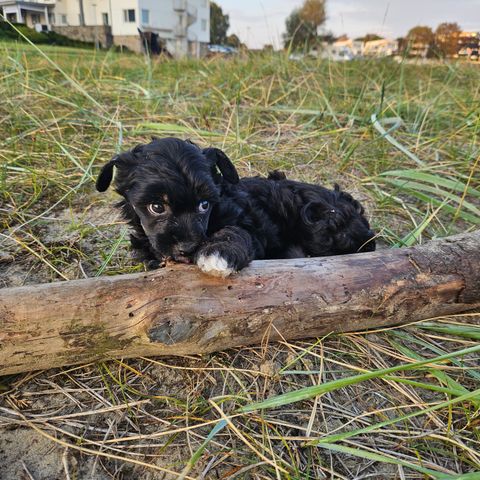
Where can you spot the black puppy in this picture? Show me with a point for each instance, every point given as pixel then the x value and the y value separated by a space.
pixel 188 204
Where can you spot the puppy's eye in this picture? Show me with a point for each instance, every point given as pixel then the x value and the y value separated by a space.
pixel 155 208
pixel 203 206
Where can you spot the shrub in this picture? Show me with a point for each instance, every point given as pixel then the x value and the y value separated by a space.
pixel 8 32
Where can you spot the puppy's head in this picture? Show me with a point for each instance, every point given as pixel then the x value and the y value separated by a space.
pixel 337 225
pixel 170 187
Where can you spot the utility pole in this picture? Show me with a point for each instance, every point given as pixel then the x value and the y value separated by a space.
pixel 95 26
pixel 82 13
pixel 111 15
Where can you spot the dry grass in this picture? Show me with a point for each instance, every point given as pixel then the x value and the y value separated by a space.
pixel 64 112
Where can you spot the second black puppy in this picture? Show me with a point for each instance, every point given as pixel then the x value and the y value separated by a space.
pixel 188 204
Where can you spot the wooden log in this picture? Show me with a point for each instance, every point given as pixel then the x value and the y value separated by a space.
pixel 178 310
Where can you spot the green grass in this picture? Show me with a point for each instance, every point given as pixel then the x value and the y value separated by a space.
pixel 403 138
pixel 18 32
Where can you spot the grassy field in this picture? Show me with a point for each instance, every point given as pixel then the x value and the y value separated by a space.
pixel 403 138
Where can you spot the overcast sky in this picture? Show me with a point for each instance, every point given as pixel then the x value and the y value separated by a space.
pixel 258 22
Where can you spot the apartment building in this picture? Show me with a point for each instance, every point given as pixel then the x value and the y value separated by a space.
pixel 182 27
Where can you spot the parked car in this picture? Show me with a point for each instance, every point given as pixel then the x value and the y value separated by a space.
pixel 296 56
pixel 474 55
pixel 223 49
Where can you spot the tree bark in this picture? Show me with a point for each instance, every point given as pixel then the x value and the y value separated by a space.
pixel 177 310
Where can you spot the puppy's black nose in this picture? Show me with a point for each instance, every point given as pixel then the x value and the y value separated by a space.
pixel 186 248
pixel 183 252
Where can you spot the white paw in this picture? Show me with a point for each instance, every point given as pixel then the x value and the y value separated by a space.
pixel 214 265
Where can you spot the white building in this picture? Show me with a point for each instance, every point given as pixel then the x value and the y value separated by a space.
pixel 342 50
pixel 32 13
pixel 181 26
pixel 350 49
pixel 384 47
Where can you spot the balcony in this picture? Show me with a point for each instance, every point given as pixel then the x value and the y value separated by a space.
pixel 180 5
pixel 191 14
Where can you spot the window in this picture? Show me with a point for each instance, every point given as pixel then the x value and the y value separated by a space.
pixel 145 17
pixel 105 19
pixel 63 19
pixel 204 25
pixel 129 16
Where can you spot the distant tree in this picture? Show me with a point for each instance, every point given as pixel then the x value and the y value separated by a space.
pixel 369 37
pixel 327 38
pixel 421 41
pixel 313 11
pixel 268 48
pixel 446 38
pixel 303 23
pixel 233 41
pixel 219 24
pixel 299 34
pixel 421 34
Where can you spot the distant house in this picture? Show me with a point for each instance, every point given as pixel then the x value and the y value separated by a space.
pixel 468 44
pixel 347 49
pixel 354 47
pixel 182 27
pixel 344 49
pixel 36 14
pixel 383 47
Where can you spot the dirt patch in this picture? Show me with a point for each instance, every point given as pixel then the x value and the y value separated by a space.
pixel 68 244
pixel 26 454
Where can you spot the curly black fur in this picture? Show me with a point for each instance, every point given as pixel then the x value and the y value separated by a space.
pixel 189 204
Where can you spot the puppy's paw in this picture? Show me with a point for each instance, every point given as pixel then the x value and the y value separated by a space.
pixel 214 264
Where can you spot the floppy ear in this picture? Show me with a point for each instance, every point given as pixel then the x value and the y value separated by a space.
pixel 123 161
pixel 276 176
pixel 224 164
pixel 358 207
pixel 346 196
pixel 318 211
pixel 106 174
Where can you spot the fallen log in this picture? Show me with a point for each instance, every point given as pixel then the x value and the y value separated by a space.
pixel 177 310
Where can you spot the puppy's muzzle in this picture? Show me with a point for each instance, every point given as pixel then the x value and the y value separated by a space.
pixel 183 252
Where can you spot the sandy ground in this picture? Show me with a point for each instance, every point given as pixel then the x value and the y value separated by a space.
pixel 26 454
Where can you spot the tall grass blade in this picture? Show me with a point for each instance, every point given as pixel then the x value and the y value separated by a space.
pixel 310 392
pixel 377 124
